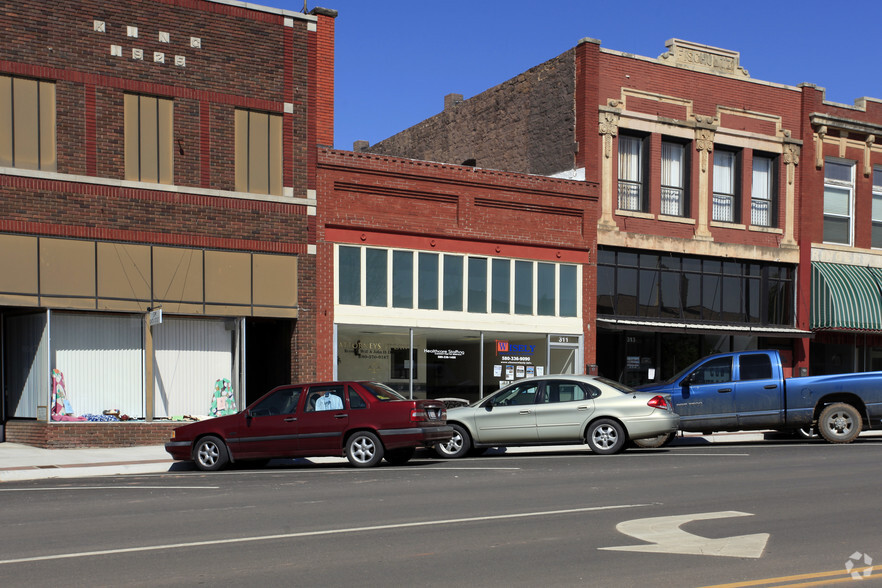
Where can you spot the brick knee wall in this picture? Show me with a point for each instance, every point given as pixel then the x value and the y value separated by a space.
pixel 73 435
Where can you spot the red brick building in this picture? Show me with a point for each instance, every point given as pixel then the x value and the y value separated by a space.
pixel 734 213
pixel 446 280
pixel 156 156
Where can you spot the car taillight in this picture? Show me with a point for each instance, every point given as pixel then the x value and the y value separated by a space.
pixel 419 414
pixel 658 402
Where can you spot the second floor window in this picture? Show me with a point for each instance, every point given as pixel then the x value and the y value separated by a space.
pixel 877 209
pixel 838 198
pixel 673 193
pixel 762 201
pixel 725 203
pixel 149 138
pixel 27 124
pixel 631 173
pixel 258 152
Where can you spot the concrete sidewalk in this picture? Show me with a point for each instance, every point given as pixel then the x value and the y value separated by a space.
pixel 24 462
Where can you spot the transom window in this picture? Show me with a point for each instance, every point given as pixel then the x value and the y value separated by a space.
pixel 452 282
pixel 838 201
pixel 679 287
pixel 27 124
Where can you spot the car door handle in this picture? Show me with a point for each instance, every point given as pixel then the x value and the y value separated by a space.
pixel 582 408
pixel 525 412
pixel 724 390
pixel 340 416
pixel 290 419
pixel 770 386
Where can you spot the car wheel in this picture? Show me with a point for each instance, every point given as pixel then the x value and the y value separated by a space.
pixel 606 437
pixel 458 445
pixel 399 456
pixel 840 423
pixel 364 450
pixel 210 454
pixel 653 442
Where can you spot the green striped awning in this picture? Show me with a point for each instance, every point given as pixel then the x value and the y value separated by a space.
pixel 846 297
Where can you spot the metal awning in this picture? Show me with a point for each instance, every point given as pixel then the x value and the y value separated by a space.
pixel 702 328
pixel 846 297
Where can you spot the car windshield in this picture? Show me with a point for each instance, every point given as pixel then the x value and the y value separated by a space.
pixel 618 386
pixel 382 392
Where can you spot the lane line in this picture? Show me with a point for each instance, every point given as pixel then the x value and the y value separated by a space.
pixel 810 576
pixel 110 488
pixel 168 546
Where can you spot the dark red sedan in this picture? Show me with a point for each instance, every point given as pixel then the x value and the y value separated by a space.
pixel 365 421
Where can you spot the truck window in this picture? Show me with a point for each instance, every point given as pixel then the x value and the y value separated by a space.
pixel 715 371
pixel 755 367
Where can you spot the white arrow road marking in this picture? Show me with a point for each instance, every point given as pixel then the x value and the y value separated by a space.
pixel 665 536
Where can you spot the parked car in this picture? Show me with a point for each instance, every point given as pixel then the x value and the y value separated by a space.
pixel 556 410
pixel 747 390
pixel 365 421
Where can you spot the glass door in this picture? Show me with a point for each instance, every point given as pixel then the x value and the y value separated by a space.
pixel 565 354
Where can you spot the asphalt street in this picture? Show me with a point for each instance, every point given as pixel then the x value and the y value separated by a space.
pixel 742 514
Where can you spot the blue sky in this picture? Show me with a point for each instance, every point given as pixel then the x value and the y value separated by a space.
pixel 397 59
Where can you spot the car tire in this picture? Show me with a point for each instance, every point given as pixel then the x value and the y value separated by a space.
pixel 363 449
pixel 399 456
pixel 605 437
pixel 210 454
pixel 654 442
pixel 458 446
pixel 840 423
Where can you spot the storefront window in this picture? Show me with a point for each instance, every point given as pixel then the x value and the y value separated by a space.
pixel 569 291
pixel 444 363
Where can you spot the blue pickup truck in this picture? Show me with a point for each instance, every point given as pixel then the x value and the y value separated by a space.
pixel 747 390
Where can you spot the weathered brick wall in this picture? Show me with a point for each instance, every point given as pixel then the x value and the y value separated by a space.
pixel 526 124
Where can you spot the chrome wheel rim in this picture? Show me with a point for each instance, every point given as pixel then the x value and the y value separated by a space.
pixel 208 454
pixel 839 423
pixel 363 449
pixel 452 446
pixel 605 436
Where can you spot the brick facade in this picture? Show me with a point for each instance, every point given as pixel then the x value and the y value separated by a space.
pixel 216 57
pixel 395 202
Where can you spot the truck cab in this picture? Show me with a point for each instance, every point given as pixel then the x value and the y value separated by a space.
pixel 728 392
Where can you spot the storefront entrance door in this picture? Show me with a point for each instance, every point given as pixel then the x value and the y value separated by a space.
pixel 563 355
